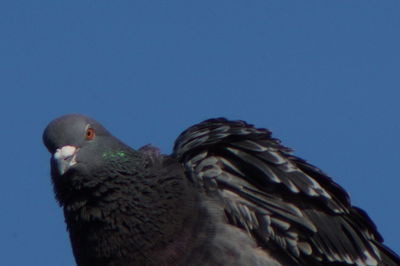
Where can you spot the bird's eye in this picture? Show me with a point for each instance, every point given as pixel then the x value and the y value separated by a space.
pixel 89 134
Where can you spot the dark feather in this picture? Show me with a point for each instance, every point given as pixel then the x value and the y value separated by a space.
pixel 278 198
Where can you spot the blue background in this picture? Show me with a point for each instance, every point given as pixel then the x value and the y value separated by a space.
pixel 322 75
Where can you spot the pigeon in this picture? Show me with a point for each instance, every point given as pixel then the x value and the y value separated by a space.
pixel 228 194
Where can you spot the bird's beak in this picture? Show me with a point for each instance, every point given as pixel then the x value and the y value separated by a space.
pixel 65 158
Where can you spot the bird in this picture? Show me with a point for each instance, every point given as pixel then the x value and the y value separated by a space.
pixel 228 194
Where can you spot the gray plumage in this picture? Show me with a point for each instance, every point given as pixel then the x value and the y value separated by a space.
pixel 229 194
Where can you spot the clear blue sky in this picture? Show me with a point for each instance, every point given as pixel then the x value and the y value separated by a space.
pixel 324 76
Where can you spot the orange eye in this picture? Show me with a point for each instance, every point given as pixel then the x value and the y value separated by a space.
pixel 89 134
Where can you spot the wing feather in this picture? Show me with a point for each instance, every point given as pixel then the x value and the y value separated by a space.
pixel 278 198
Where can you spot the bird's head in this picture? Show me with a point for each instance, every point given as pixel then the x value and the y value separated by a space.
pixel 74 139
